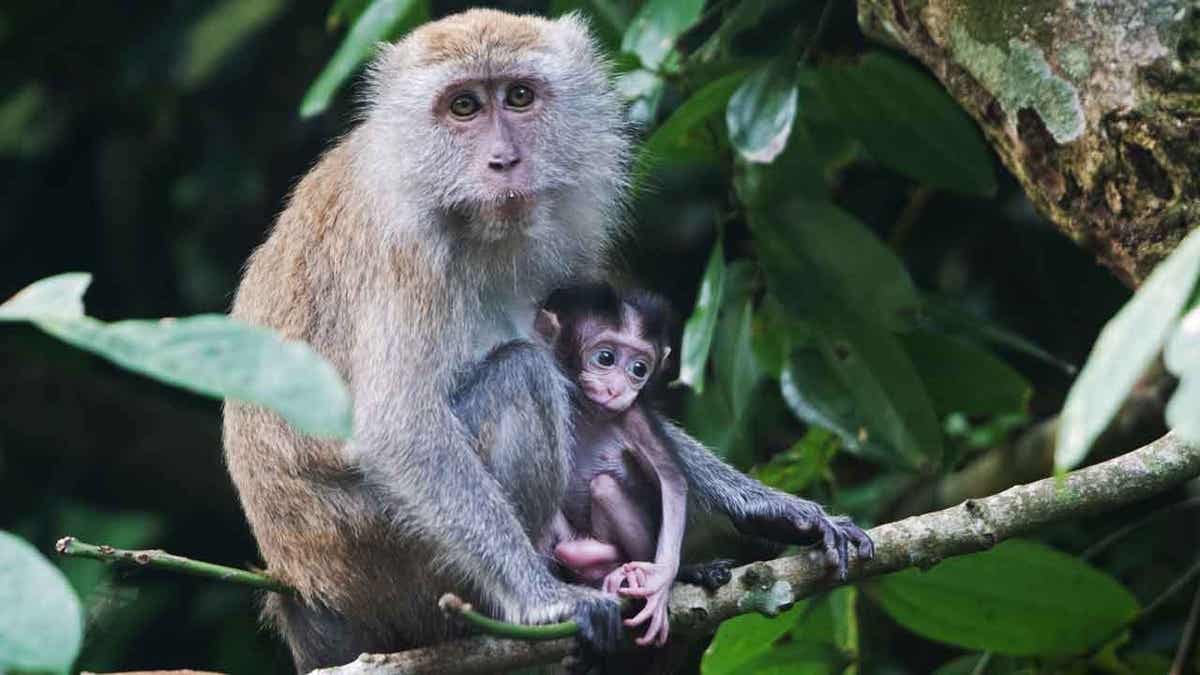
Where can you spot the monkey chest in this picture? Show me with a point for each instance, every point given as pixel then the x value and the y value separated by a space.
pixel 605 455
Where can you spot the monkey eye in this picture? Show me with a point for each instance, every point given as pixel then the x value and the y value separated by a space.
pixel 639 369
pixel 464 106
pixel 519 96
pixel 605 358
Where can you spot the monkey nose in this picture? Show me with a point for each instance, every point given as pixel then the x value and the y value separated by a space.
pixel 502 161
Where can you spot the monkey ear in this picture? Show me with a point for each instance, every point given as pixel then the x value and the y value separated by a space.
pixel 546 325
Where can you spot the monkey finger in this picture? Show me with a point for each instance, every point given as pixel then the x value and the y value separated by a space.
pixel 640 617
pixel 639 592
pixel 843 554
pixel 866 547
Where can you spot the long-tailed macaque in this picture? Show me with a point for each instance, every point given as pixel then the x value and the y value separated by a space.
pixel 623 520
pixel 487 169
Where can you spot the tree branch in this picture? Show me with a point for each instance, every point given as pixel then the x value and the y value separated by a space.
pixel 920 541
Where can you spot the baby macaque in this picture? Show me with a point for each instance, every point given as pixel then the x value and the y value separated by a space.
pixel 626 497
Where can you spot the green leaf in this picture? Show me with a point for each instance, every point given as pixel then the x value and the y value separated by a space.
pixel 909 123
pixel 675 140
pixel 219 32
pixel 858 382
pixel 221 357
pixel 343 12
pixel 1127 345
pixel 820 260
pixel 734 362
pixel 794 469
pixel 642 90
pixel 699 329
pixel 1020 598
pixel 652 33
pixel 382 20
pixel 1182 357
pixel 56 297
pixel 742 639
pixel 961 377
pixel 761 112
pixel 949 317
pixel 213 355
pixel 41 621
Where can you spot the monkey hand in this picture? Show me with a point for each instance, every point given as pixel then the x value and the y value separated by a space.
pixel 791 520
pixel 598 616
pixel 651 582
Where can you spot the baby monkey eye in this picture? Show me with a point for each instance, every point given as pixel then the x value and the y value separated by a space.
pixel 604 358
pixel 519 96
pixel 639 369
pixel 464 105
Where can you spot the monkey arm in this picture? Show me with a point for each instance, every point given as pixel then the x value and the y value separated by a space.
pixel 758 510
pixel 645 437
pixel 649 444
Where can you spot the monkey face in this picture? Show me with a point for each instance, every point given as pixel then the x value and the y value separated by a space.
pixel 615 366
pixel 504 122
pixel 494 124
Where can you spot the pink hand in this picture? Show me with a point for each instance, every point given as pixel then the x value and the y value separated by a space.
pixel 655 586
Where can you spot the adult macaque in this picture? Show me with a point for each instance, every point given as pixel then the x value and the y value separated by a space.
pixel 487 169
pixel 621 510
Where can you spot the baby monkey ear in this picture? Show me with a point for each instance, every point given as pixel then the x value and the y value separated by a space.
pixel 547 326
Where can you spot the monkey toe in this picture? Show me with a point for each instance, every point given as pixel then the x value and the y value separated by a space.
pixel 709 575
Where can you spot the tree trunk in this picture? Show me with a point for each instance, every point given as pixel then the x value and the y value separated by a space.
pixel 1094 105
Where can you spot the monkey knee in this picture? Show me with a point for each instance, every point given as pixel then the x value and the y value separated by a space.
pixel 605 490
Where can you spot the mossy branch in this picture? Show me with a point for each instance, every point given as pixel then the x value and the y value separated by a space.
pixel 764 587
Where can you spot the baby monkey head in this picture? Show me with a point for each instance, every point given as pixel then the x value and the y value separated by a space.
pixel 610 343
pixel 495 114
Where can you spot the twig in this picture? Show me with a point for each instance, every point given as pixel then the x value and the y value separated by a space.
pixel 452 604
pixel 1187 642
pixel 166 561
pixel 918 198
pixel 1171 590
pixel 921 541
pixel 1121 532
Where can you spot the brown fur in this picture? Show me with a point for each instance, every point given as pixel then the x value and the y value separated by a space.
pixel 480 34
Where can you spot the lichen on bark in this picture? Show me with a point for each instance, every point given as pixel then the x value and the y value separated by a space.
pixel 1094 105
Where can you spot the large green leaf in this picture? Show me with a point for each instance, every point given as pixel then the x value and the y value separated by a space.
pixel 961 377
pixel 1020 598
pixel 676 140
pixel 909 123
pixel 734 363
pixel 1127 345
pixel 213 355
pixel 41 621
pixel 1182 357
pixel 820 260
pixel 382 20
pixel 817 637
pixel 761 112
pixel 857 381
pixel 699 329
pixel 652 33
pixel 742 639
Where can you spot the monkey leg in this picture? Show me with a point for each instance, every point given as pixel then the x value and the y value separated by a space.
pixel 319 637
pixel 515 404
pixel 616 517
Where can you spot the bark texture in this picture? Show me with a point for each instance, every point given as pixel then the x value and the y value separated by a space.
pixel 1094 105
pixel 920 541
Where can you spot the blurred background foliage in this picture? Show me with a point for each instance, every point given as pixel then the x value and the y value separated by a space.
pixel 876 314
